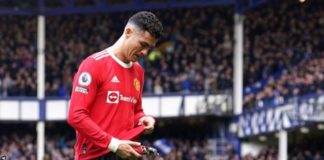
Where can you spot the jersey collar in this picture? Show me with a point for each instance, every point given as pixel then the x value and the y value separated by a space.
pixel 123 64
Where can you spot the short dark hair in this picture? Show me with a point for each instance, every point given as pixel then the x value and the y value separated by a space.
pixel 147 21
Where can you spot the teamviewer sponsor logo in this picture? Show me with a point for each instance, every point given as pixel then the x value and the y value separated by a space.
pixel 128 99
pixel 113 97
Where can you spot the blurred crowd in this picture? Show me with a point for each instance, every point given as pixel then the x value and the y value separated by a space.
pixel 281 59
pixel 18 147
pixel 59 148
pixel 272 154
pixel 265 154
pixel 18 144
pixel 23 147
pixel 174 66
pixel 18 56
pixel 60 139
pixel 184 149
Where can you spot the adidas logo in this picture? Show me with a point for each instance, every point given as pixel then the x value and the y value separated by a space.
pixel 115 79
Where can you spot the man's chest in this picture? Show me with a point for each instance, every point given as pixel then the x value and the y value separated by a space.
pixel 121 86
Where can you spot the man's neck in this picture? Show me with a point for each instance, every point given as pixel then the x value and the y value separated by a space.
pixel 117 50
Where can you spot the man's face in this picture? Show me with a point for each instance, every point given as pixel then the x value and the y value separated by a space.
pixel 138 45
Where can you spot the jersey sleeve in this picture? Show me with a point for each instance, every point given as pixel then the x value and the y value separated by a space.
pixel 139 113
pixel 85 86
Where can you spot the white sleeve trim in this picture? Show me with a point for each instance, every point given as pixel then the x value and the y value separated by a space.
pixel 114 144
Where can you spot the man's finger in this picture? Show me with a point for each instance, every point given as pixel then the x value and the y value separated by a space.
pixel 132 143
pixel 134 153
pixel 148 127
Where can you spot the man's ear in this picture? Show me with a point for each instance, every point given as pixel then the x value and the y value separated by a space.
pixel 128 31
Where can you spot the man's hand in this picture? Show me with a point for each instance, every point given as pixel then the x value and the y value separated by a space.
pixel 148 123
pixel 125 149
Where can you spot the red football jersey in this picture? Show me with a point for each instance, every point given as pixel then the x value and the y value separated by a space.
pixel 105 102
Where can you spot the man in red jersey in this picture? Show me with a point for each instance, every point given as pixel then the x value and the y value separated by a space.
pixel 106 101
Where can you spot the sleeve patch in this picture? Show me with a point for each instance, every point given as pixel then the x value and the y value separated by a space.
pixel 84 79
pixel 81 90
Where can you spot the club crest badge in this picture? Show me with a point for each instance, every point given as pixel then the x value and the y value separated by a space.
pixel 137 84
pixel 84 79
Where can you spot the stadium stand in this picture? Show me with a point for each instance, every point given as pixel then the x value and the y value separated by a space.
pixel 59 146
pixel 80 37
pixel 284 55
pixel 302 145
pixel 282 59
pixel 188 59
pixel 174 66
pixel 20 145
pixel 60 141
pixel 17 56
